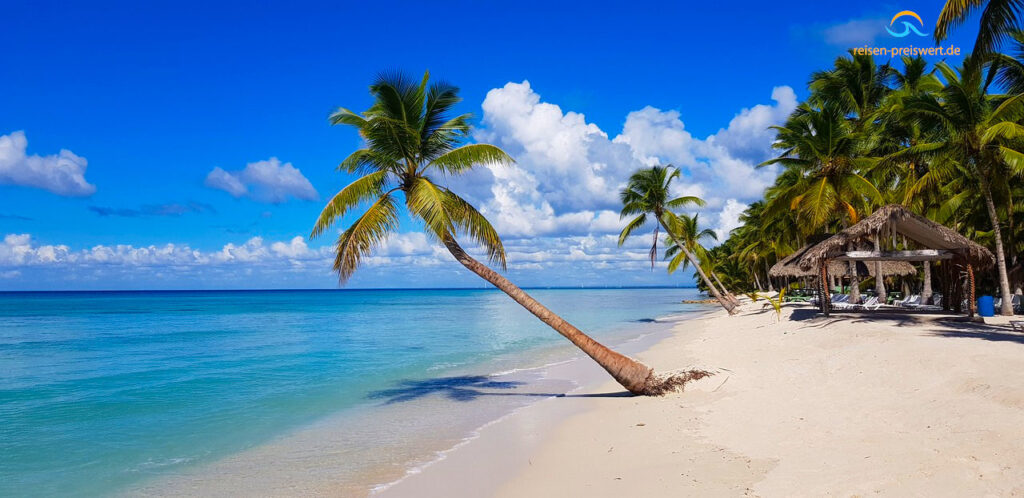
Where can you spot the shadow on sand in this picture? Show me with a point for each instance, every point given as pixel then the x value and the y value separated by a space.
pixel 934 323
pixel 468 388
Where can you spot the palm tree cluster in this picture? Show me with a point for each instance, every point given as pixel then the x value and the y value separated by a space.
pixel 947 142
pixel 648 194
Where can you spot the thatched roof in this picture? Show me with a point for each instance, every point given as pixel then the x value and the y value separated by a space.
pixel 897 219
pixel 889 268
pixel 788 267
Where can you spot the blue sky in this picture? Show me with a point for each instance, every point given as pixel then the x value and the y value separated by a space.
pixel 153 97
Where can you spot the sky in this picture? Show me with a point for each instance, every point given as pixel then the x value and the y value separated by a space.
pixel 181 145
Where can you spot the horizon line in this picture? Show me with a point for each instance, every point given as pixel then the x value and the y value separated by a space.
pixel 585 287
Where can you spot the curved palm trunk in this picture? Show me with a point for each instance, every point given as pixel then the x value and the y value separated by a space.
pixel 728 305
pixel 728 295
pixel 636 377
pixel 1004 282
pixel 771 287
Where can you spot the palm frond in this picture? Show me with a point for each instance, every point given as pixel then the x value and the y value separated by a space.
pixel 365 234
pixel 357 192
pixel 462 159
pixel 470 222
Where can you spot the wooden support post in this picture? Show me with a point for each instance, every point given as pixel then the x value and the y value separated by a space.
pixel 946 297
pixel 823 298
pixel 958 288
pixel 970 291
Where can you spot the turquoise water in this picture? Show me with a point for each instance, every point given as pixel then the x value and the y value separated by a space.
pixel 102 390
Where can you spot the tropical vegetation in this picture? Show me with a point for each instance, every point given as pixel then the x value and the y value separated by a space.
pixel 947 142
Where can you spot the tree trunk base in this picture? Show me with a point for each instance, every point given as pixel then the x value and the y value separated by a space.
pixel 669 382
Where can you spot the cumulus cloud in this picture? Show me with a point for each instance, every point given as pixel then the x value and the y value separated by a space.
pixel 405 258
pixel 293 249
pixel 568 172
pixel 20 250
pixel 62 173
pixel 729 218
pixel 265 181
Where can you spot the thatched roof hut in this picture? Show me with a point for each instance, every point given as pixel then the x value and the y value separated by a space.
pixel 895 219
pixel 788 267
pixel 922 240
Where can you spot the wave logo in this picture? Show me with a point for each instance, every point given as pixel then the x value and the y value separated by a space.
pixel 907 26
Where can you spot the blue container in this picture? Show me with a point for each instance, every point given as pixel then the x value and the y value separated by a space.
pixel 985 307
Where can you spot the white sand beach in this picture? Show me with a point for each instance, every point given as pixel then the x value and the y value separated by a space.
pixel 853 405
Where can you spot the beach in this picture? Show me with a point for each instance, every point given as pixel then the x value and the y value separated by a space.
pixel 856 404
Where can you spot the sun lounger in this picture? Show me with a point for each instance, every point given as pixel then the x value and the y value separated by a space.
pixel 842 302
pixel 870 304
pixel 910 302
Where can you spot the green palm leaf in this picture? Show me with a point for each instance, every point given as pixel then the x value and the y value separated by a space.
pixel 365 234
pixel 457 161
pixel 359 191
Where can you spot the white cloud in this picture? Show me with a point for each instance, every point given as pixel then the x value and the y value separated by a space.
pixel 729 218
pixel 748 135
pixel 265 181
pixel 228 182
pixel 295 248
pixel 20 250
pixel 62 173
pixel 854 32
pixel 403 253
pixel 568 172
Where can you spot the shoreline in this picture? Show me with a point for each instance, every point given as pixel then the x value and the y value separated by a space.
pixel 312 459
pixel 503 439
pixel 577 369
pixel 856 404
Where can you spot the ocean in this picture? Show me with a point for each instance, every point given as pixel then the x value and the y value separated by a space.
pixel 166 392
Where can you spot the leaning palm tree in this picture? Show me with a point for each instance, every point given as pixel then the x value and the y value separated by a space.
pixel 647 193
pixel 686 229
pixel 411 138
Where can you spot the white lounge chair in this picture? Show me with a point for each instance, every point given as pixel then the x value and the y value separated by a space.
pixel 910 302
pixel 870 304
pixel 842 302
